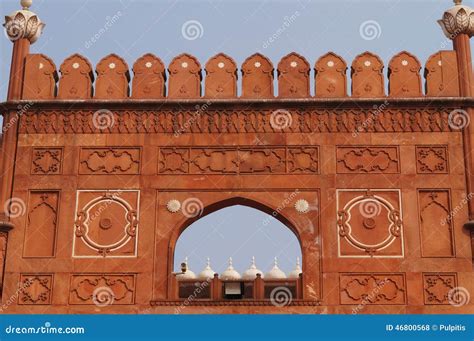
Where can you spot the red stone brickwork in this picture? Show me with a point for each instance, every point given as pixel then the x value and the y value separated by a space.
pixel 376 188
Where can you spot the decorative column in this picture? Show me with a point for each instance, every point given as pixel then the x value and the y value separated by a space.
pixel 458 25
pixel 23 28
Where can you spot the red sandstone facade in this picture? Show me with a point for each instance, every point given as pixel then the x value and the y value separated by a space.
pixel 94 178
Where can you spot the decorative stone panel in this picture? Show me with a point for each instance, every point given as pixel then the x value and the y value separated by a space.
pixel 46 161
pixel 432 159
pixel 102 289
pixel 369 223
pixel 35 289
pixel 106 224
pixel 436 225
pixel 372 289
pixel 368 159
pixel 436 287
pixel 404 76
pixel 112 160
pixel 239 160
pixel 367 76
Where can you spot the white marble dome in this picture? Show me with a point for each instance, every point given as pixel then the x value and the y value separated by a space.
pixel 296 272
pixel 275 272
pixel 188 274
pixel 251 273
pixel 207 273
pixel 230 274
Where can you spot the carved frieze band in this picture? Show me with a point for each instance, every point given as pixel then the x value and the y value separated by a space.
pixel 208 120
pixel 378 288
pixel 102 289
pixel 239 160
pixel 368 159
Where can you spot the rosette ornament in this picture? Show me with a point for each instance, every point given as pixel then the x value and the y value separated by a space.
pixel 458 20
pixel 23 24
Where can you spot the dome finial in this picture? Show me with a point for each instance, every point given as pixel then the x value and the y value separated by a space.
pixel 208 262
pixel 458 20
pixel 23 24
pixel 26 4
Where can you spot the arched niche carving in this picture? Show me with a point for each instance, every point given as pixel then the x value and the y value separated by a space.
pixel 40 77
pixel 185 77
pixel 330 76
pixel 76 78
pixel 404 76
pixel 257 77
pixel 367 76
pixel 441 74
pixel 221 77
pixel 293 76
pixel 113 78
pixel 149 77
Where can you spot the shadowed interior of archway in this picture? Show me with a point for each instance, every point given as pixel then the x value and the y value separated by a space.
pixel 239 232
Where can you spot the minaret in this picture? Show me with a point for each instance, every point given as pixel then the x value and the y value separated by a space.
pixel 458 25
pixel 23 28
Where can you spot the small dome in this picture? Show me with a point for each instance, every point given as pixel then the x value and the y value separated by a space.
pixel 296 272
pixel 207 273
pixel 187 275
pixel 251 273
pixel 275 272
pixel 230 274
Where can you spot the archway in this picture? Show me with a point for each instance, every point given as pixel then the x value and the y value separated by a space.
pixel 241 232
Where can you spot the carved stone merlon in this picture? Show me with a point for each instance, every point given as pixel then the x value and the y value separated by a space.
pixel 458 20
pixel 23 24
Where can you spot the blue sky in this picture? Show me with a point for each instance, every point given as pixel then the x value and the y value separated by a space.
pixel 238 28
